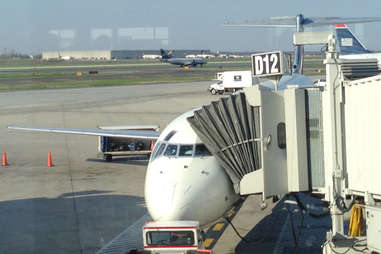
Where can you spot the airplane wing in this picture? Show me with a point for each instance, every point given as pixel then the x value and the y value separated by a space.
pixel 138 134
pixel 132 127
pixel 290 21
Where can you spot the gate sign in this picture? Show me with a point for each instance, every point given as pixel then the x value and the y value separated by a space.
pixel 271 64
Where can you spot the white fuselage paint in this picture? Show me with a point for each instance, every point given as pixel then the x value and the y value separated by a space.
pixel 186 188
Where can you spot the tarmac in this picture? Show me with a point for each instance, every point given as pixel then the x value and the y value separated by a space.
pixel 81 203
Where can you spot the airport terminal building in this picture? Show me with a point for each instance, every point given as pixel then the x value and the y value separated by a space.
pixel 111 54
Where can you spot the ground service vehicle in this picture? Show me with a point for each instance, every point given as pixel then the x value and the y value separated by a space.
pixel 172 237
pixel 230 81
pixel 108 147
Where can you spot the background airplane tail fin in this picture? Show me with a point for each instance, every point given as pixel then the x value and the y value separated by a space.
pixel 165 54
pixel 348 43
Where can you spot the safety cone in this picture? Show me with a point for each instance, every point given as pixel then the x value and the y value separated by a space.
pixel 4 161
pixel 50 163
pixel 152 145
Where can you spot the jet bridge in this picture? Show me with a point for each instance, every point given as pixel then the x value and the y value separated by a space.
pixel 230 129
pixel 247 133
pixel 319 139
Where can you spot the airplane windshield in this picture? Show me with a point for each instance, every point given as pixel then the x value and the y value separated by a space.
pixel 179 150
pixel 158 150
pixel 201 150
pixel 171 150
pixel 186 150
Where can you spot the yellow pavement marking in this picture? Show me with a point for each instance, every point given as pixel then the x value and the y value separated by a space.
pixel 218 227
pixel 208 242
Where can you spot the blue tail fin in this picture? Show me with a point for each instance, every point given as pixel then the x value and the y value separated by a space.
pixel 165 54
pixel 347 42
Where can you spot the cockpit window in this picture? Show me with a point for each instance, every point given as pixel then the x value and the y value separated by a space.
pixel 170 135
pixel 171 150
pixel 155 149
pixel 201 150
pixel 186 150
pixel 158 151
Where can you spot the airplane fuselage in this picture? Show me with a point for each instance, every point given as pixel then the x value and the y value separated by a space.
pixel 187 61
pixel 184 181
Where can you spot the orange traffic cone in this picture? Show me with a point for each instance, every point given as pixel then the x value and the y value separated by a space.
pixel 50 163
pixel 4 162
pixel 152 145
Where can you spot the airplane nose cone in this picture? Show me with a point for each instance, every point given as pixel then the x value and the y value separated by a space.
pixel 159 201
pixel 161 187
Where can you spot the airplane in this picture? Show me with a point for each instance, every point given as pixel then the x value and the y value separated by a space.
pixel 183 62
pixel 350 47
pixel 65 58
pixel 184 181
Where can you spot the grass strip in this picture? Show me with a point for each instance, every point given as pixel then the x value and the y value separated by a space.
pixel 98 83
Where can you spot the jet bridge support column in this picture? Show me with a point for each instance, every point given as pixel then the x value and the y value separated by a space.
pixel 333 159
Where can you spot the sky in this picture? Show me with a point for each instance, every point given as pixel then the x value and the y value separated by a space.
pixel 33 26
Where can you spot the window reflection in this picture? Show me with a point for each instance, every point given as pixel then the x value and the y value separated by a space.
pixel 186 150
pixel 171 150
pixel 201 150
pixel 159 150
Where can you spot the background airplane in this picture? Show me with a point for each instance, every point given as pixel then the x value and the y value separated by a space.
pixel 194 61
pixel 298 22
pixel 350 47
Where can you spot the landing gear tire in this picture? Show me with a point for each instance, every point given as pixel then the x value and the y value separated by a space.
pixel 107 157
pixel 213 91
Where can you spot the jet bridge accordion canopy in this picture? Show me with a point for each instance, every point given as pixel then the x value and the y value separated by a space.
pixel 230 129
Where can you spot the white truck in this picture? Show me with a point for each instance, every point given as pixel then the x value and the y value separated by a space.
pixel 180 237
pixel 231 81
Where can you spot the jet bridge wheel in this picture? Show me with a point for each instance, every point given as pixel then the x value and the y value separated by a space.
pixel 107 157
